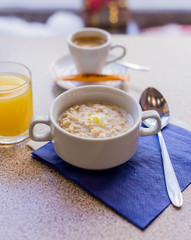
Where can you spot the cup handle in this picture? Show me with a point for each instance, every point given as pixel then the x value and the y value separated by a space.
pixel 47 136
pixel 155 128
pixel 117 57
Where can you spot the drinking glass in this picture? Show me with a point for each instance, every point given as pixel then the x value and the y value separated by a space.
pixel 16 103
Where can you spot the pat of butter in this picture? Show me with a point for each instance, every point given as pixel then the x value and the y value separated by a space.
pixel 97 119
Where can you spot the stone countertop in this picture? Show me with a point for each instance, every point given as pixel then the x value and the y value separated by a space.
pixel 36 201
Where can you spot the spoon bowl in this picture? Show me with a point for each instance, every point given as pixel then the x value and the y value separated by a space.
pixel 152 99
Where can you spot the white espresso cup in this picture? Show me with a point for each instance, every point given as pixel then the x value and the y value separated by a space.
pixel 95 153
pixel 90 47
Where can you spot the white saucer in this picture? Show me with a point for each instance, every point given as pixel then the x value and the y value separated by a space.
pixel 65 66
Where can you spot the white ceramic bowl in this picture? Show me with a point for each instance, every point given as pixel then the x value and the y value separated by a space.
pixel 95 153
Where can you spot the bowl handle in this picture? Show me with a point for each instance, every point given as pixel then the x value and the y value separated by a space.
pixel 153 129
pixel 47 136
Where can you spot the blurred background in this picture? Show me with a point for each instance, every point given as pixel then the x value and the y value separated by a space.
pixel 60 17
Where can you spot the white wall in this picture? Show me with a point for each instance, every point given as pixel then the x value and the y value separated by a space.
pixel 41 4
pixel 76 4
pixel 160 5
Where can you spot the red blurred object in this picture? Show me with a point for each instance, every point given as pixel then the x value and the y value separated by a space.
pixel 96 5
pixel 112 15
pixel 172 29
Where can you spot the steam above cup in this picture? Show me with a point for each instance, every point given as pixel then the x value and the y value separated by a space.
pixel 90 47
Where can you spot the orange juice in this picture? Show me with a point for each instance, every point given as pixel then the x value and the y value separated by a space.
pixel 16 105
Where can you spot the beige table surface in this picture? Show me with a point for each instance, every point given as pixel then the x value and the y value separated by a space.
pixel 36 202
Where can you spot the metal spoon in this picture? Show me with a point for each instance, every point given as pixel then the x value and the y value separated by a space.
pixel 133 66
pixel 151 99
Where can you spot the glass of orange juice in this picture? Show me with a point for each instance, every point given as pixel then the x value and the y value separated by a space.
pixel 16 104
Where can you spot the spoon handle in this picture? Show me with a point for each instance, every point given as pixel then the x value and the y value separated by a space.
pixel 172 185
pixel 134 66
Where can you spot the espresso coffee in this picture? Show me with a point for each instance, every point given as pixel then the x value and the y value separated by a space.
pixel 90 41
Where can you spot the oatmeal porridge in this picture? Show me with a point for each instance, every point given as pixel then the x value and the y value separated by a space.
pixel 95 120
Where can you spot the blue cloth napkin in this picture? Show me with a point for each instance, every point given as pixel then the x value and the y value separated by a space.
pixel 136 189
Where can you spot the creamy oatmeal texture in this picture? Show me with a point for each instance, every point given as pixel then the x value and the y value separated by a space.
pixel 95 120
